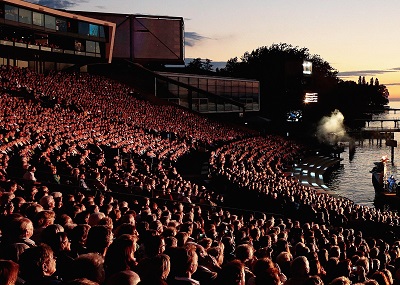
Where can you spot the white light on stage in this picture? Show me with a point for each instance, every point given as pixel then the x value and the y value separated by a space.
pixel 311 98
pixel 307 67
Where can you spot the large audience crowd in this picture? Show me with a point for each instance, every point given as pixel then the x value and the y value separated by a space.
pixel 90 194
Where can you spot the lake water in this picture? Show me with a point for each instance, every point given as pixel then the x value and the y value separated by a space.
pixel 353 179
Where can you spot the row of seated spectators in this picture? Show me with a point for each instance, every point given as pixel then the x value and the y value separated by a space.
pixel 255 166
pixel 58 188
pixel 30 42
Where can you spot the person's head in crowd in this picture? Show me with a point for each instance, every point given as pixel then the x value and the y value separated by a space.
pixel 99 239
pixel 44 218
pixel 106 221
pixel 323 256
pixel 37 263
pixel 80 281
pixel 65 221
pixel 30 209
pixel 125 228
pixel 59 242
pixel 182 238
pixel 364 263
pixel 314 280
pixel 115 214
pixel 90 266
pixel 261 265
pixel 388 274
pixel 93 208
pixel 47 202
pixel 155 270
pixel 48 234
pixel 128 218
pixel 341 281
pixel 31 192
pixel 281 245
pixel 245 253
pixel 381 278
pixel 82 217
pixel 205 242
pixel 184 262
pixel 232 273
pixel 170 241
pixel 11 186
pixel 300 267
pixel 95 218
pixel 217 253
pixel 157 226
pixel 6 206
pixel 153 244
pixel 78 237
pixel 22 231
pixel 344 268
pixel 126 277
pixel 106 209
pixel 18 201
pixel 8 272
pixel 43 190
pixel 120 255
pixel 301 249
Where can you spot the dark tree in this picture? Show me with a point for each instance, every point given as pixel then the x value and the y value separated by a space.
pixel 198 66
pixel 283 84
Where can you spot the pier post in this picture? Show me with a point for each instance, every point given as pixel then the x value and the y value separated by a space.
pixel 392 144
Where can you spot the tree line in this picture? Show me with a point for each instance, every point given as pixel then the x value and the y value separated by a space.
pixel 279 70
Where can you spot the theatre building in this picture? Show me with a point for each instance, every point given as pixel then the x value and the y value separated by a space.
pixel 42 38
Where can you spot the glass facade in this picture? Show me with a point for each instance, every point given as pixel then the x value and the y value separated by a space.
pixel 50 22
pixel 242 91
pixel 11 13
pixel 52 33
pixel 38 19
pixel 61 25
pixel 25 16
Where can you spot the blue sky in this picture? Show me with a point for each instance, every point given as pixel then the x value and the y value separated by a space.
pixel 357 37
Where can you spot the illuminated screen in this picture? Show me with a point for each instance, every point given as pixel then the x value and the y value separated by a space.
pixel 294 116
pixel 307 67
pixel 311 98
pixel 93 30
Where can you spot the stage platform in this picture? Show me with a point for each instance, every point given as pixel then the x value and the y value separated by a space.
pixel 311 170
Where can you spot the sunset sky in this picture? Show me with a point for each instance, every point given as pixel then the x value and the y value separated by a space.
pixel 357 37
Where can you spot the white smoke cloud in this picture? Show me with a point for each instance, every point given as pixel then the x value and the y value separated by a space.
pixel 331 128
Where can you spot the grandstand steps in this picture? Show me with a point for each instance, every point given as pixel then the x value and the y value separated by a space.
pixel 194 165
pixel 204 169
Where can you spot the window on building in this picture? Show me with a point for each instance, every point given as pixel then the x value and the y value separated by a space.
pixel 83 28
pixel 38 19
pixel 61 25
pixel 79 46
pixel 25 16
pixel 50 22
pixel 93 30
pixel 90 46
pixel 101 31
pixel 11 13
